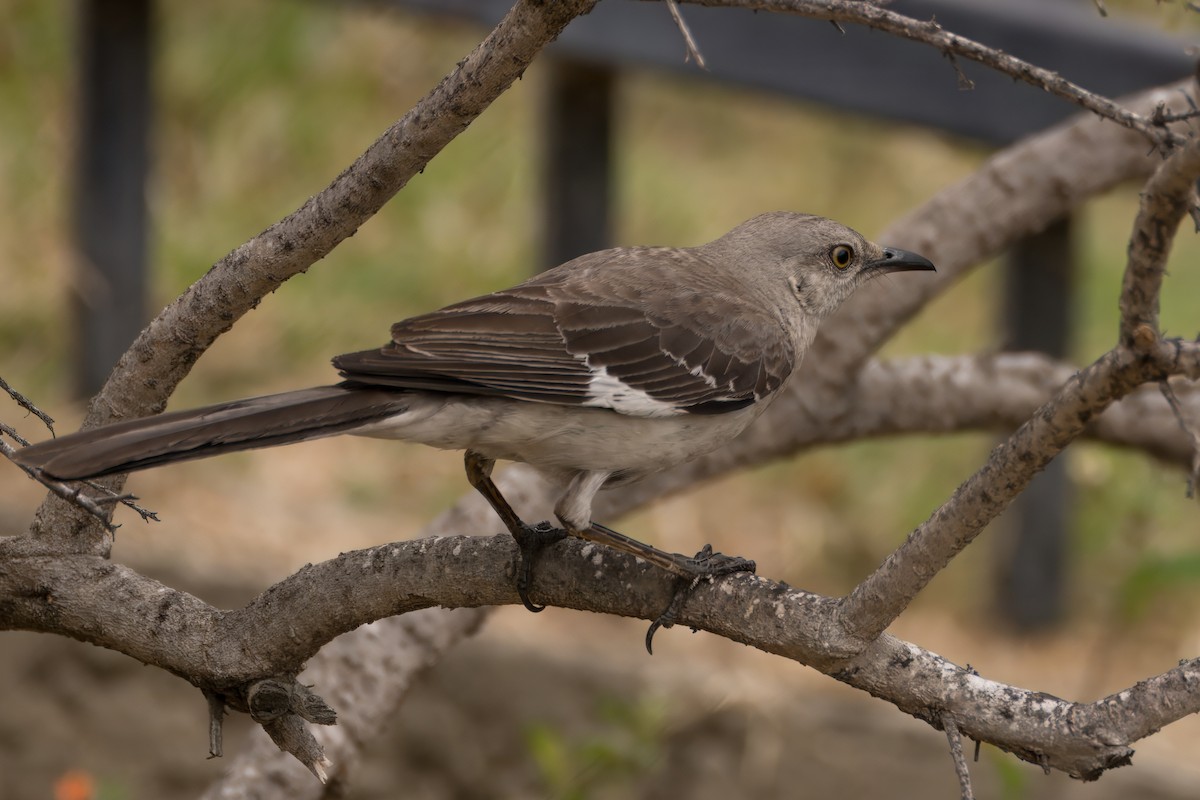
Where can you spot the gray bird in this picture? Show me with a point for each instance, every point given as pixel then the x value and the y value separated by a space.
pixel 596 373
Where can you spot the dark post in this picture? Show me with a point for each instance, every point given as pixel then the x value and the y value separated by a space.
pixel 577 162
pixel 1037 301
pixel 112 162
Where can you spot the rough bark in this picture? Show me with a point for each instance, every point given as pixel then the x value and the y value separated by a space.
pixel 60 580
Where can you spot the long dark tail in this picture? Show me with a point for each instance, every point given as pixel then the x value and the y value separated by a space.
pixel 241 425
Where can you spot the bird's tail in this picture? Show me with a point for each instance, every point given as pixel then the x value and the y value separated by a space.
pixel 241 425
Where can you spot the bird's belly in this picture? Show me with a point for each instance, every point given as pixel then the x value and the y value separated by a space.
pixel 560 439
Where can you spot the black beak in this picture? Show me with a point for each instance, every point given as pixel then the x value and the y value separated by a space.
pixel 897 260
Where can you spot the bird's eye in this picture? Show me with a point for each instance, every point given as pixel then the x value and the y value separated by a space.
pixel 841 255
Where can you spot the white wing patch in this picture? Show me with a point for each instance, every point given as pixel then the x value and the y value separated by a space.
pixel 609 391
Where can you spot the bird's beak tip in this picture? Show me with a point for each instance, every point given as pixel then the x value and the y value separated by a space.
pixel 897 260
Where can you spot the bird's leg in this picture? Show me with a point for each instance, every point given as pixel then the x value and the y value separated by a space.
pixel 574 510
pixel 531 540
pixel 688 572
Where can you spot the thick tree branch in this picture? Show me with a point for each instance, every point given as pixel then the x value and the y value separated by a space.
pixel 339 594
pixel 948 394
pixel 369 671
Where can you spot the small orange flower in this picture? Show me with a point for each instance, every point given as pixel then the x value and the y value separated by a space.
pixel 75 785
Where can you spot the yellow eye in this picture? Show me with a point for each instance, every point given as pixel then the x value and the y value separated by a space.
pixel 842 255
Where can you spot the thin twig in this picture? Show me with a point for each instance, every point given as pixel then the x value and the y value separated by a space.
pixel 1100 7
pixel 931 33
pixel 1194 433
pixel 11 431
pixel 964 83
pixel 73 494
pixel 106 497
pixel 109 496
pixel 25 403
pixel 1161 116
pixel 693 52
pixel 956 752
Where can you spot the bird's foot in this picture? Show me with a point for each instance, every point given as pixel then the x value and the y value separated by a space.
pixel 531 541
pixel 705 565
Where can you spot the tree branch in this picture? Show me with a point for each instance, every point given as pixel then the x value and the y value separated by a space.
pixel 170 345
pixel 1165 201
pixel 1142 357
pixel 876 602
pixel 149 619
pixel 948 394
pixel 465 571
pixel 1013 194
pixel 1051 173
pixel 951 44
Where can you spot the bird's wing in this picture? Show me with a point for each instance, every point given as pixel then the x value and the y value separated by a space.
pixel 603 331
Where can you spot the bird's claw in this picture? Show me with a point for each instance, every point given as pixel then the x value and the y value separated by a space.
pixel 705 565
pixel 531 541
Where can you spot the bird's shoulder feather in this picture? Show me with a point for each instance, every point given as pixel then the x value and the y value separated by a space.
pixel 643 331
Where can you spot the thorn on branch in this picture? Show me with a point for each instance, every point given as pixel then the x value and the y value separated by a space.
pixel 692 52
pixel 838 25
pixel 1100 7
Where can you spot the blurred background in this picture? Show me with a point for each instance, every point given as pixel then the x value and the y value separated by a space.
pixel 255 108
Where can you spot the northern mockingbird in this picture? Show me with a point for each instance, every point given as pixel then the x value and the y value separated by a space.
pixel 597 373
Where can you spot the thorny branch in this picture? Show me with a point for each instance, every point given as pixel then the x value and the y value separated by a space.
pixel 25 403
pixel 96 505
pixel 72 493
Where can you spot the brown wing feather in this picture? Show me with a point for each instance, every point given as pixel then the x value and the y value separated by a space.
pixel 697 348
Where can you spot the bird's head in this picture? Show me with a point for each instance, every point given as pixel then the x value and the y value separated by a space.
pixel 816 261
